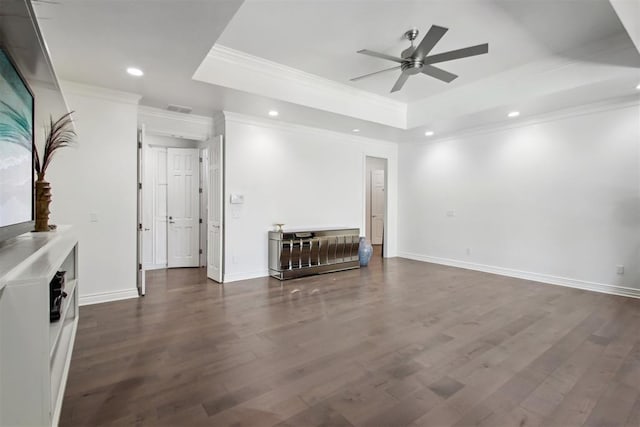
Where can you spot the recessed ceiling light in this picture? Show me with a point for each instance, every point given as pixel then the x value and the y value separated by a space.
pixel 356 130
pixel 429 133
pixel 135 71
pixel 514 114
pixel 273 113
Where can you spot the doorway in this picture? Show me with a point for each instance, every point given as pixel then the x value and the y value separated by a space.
pixel 180 206
pixel 376 202
pixel 171 206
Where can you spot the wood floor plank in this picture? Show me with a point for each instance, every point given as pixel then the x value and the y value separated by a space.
pixel 397 343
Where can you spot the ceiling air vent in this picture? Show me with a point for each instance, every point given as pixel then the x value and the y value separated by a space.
pixel 179 108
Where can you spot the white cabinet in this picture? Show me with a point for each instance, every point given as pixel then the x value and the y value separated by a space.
pixel 34 353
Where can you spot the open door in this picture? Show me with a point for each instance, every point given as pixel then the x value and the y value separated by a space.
pixel 183 207
pixel 141 279
pixel 215 216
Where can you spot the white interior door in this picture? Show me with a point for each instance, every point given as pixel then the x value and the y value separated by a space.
pixel 204 204
pixel 147 210
pixel 183 209
pixel 377 206
pixel 215 217
pixel 160 214
pixel 141 277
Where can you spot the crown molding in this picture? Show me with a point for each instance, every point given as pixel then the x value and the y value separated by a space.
pixel 293 127
pixel 231 68
pixel 561 114
pixel 99 92
pixel 242 59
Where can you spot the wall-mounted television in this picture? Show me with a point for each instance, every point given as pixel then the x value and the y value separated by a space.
pixel 16 151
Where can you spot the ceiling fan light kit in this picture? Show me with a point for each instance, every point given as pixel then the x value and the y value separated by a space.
pixel 416 59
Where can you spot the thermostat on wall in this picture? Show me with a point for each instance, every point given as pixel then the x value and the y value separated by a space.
pixel 237 199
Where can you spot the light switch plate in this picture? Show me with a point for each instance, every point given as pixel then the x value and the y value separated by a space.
pixel 237 199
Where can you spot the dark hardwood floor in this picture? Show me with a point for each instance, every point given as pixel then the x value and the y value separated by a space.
pixel 397 343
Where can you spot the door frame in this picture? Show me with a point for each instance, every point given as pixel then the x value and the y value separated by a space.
pixel 365 196
pixel 176 125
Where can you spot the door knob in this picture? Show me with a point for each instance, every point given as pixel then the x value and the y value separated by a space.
pixel 171 220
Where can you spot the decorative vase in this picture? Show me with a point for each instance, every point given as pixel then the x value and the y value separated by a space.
pixel 43 200
pixel 365 251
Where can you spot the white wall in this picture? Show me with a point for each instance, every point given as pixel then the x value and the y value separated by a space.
pixel 98 177
pixel 170 141
pixel 299 176
pixel 373 163
pixel 48 103
pixel 557 200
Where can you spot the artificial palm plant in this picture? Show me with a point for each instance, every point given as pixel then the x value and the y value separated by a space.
pixel 59 134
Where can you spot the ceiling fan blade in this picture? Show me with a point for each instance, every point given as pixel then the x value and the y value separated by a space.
pixel 438 73
pixel 381 55
pixel 457 54
pixel 432 37
pixel 400 82
pixel 376 72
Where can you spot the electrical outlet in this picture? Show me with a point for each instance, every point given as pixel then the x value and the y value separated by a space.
pixel 451 213
pixel 93 217
pixel 620 269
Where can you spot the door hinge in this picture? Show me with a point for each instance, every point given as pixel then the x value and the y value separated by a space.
pixel 200 159
pixel 200 190
pixel 200 220
pixel 200 251
pixel 139 266
pixel 139 186
pixel 140 227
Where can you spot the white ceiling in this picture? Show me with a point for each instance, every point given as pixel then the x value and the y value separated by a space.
pixel 94 41
pixel 322 37
pixel 543 55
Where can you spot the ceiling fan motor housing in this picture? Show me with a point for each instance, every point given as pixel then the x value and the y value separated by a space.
pixel 412 66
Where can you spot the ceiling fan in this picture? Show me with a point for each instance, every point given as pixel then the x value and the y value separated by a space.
pixel 416 59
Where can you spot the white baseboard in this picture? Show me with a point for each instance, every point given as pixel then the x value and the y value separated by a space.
pixel 234 277
pixel 527 275
pixel 154 266
pixel 101 297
